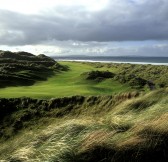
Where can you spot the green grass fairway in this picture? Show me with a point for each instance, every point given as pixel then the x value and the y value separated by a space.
pixel 67 83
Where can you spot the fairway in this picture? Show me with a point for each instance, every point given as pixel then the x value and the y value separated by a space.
pixel 67 83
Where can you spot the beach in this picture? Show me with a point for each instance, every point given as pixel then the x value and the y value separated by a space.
pixel 130 60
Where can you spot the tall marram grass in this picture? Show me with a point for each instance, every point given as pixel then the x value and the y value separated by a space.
pixel 134 129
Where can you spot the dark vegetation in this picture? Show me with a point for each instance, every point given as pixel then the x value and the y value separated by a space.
pixel 133 80
pixel 17 113
pixel 137 76
pixel 22 68
pixel 98 75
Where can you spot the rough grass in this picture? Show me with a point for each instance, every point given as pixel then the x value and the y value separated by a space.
pixel 134 129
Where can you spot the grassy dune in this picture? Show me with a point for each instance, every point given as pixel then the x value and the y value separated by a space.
pixel 81 112
pixel 125 127
pixel 25 69
pixel 67 83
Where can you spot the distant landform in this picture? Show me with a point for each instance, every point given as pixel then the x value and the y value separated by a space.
pixel 118 59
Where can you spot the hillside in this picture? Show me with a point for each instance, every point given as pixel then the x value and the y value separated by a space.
pixel 81 112
pixel 137 75
pixel 125 127
pixel 22 68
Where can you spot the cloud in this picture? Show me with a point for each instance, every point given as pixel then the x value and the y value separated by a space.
pixel 98 27
pixel 57 48
pixel 121 20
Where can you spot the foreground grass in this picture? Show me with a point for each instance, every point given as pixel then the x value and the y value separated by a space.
pixel 67 83
pixel 117 128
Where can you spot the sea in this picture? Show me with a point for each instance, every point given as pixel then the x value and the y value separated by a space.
pixel 116 59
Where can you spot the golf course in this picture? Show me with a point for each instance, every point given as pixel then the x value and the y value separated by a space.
pixel 81 111
pixel 67 83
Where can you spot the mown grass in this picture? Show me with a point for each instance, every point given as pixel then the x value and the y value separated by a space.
pixel 67 83
pixel 134 129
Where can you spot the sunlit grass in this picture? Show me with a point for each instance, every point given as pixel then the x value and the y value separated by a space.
pixel 66 83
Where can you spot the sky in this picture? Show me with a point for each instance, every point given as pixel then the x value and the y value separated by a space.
pixel 85 27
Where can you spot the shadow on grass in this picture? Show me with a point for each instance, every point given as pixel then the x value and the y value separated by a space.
pixel 105 154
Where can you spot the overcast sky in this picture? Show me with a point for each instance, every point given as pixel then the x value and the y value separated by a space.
pixel 85 27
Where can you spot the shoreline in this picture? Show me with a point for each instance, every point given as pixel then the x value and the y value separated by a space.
pixel 117 62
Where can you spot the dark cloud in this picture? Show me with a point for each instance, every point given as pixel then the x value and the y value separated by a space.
pixel 123 20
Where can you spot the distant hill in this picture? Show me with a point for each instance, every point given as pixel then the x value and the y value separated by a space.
pixel 23 68
pixel 20 56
